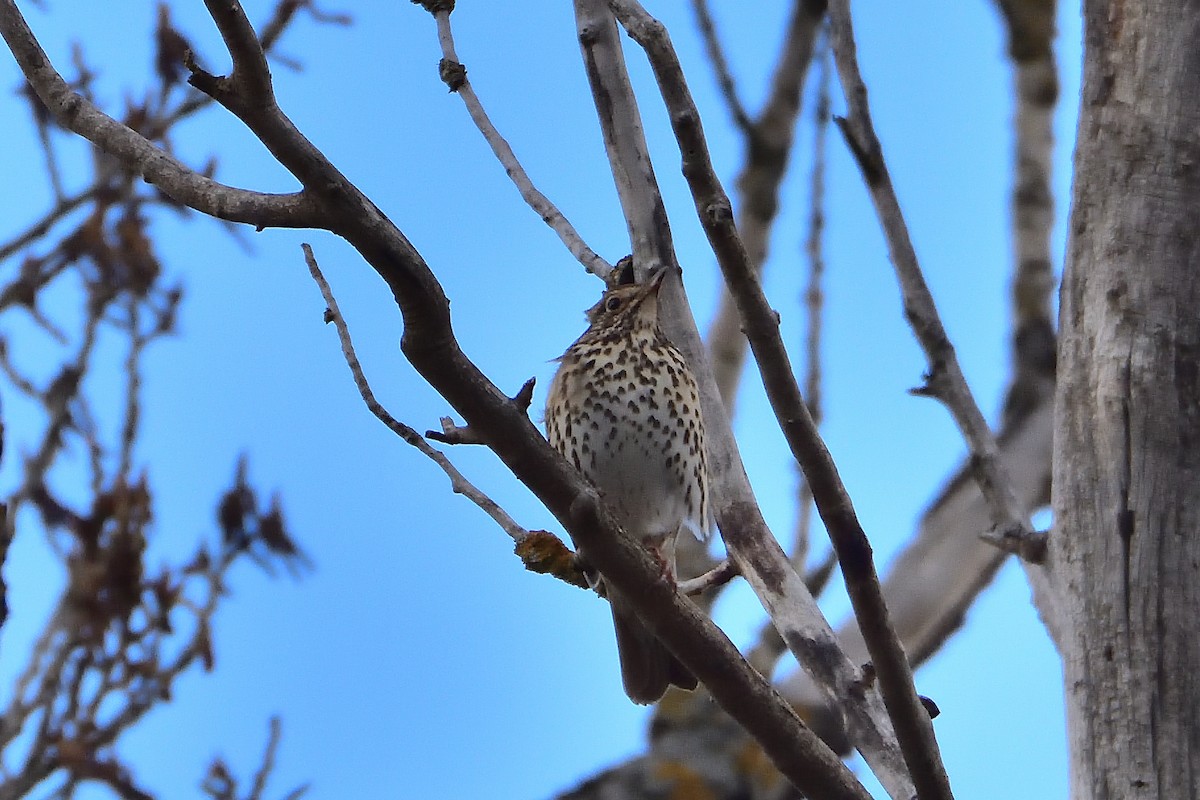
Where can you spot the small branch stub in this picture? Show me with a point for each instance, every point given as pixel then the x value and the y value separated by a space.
pixel 933 383
pixel 453 434
pixel 212 85
pixel 524 396
pixel 719 575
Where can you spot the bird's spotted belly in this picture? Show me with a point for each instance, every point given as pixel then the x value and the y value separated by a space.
pixel 642 453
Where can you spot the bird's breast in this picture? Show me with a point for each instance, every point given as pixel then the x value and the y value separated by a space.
pixel 628 418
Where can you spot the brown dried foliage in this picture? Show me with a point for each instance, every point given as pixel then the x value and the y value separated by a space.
pixel 120 633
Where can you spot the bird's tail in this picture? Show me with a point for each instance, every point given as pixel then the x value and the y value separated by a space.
pixel 647 666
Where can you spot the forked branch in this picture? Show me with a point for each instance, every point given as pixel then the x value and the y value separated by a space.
pixel 332 202
pixel 945 379
pixel 295 210
pixel 913 728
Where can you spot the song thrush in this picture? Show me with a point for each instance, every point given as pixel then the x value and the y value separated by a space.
pixel 624 409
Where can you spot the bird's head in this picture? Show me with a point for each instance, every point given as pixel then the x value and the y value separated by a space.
pixel 627 306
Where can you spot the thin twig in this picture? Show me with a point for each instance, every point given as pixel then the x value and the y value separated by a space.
pixel 768 146
pixel 716 56
pixel 458 483
pixel 945 380
pixel 263 773
pixel 455 75
pixel 133 393
pixel 814 296
pixel 40 228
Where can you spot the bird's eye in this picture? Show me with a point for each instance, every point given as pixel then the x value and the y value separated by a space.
pixel 612 304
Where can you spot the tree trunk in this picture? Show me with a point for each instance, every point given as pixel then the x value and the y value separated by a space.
pixel 1127 428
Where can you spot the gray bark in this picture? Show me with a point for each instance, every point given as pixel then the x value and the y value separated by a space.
pixel 1127 466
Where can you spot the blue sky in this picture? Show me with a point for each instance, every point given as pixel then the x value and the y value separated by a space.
pixel 419 659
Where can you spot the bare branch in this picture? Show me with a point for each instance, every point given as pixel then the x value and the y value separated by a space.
pixel 913 729
pixel 458 483
pixel 624 140
pixel 716 55
pixel 157 167
pixel 770 646
pixel 40 228
pixel 814 298
pixel 746 535
pixel 1031 38
pixel 268 761
pixel 455 75
pixel 945 380
pixel 767 153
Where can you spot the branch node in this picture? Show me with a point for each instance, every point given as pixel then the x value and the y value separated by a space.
pixel 588 36
pixel 935 383
pixel 868 162
pixel 452 73
pixel 435 6
pixel 868 675
pixel 544 553
pixel 1029 546
pixel 453 434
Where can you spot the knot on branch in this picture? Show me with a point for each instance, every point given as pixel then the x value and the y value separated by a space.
pixel 452 73
pixel 588 36
pixel 719 211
